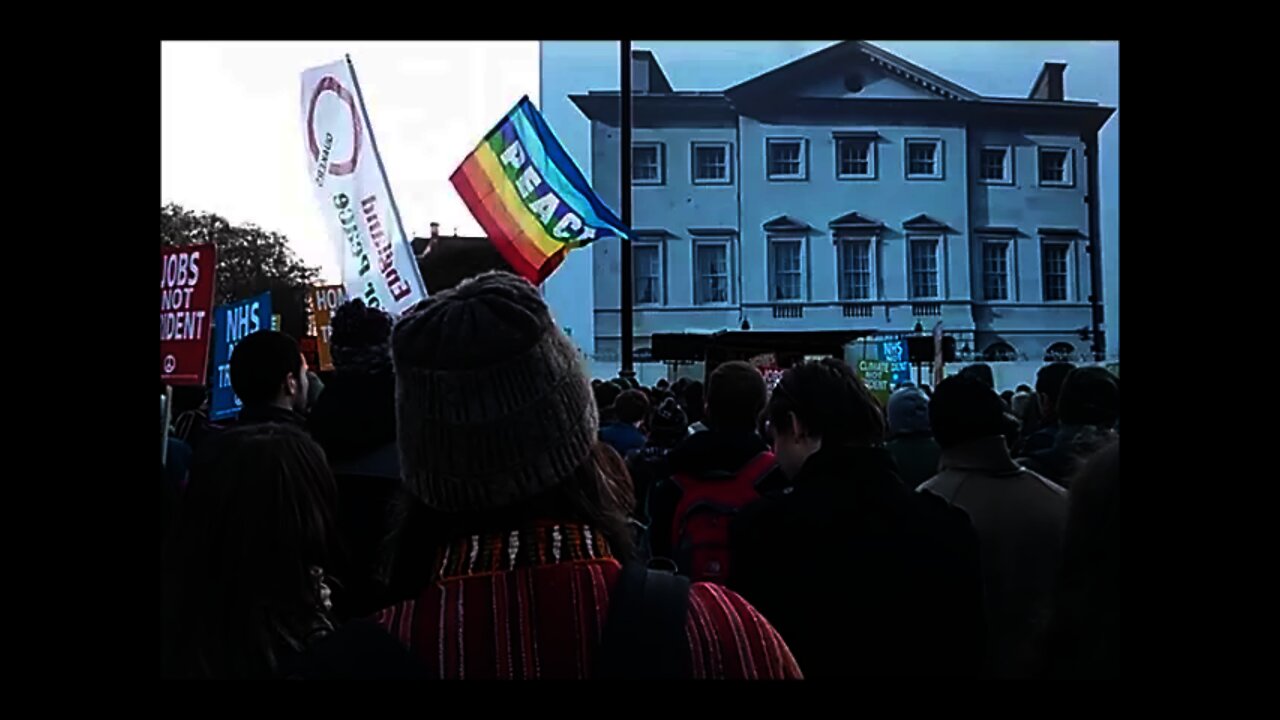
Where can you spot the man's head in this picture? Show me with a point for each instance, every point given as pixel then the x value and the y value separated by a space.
pixel 606 393
pixel 631 406
pixel 1090 396
pixel 821 403
pixel 981 372
pixel 267 368
pixel 662 384
pixel 735 396
pixel 964 409
pixel 1049 386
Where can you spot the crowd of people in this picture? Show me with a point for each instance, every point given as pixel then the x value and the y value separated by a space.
pixel 458 500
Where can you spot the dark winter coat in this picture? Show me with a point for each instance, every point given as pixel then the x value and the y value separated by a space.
pixel 1072 446
pixel 711 452
pixel 354 421
pixel 916 457
pixel 623 437
pixel 1020 518
pixel 861 575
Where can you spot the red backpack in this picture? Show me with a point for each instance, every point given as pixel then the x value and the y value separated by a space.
pixel 700 533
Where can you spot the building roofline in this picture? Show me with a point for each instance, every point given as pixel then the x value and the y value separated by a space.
pixel 932 81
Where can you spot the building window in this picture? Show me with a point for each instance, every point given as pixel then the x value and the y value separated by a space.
pixel 646 267
pixel 1060 352
pixel 995 270
pixel 712 262
pixel 924 159
pixel 855 269
pixel 1056 167
pixel 1000 352
pixel 995 168
pixel 855 158
pixel 786 256
pixel 924 268
pixel 1056 256
pixel 647 164
pixel 786 159
pixel 711 164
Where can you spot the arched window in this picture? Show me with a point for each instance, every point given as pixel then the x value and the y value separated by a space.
pixel 999 352
pixel 1060 352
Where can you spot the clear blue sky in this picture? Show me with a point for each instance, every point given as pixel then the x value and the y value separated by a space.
pixel 1000 68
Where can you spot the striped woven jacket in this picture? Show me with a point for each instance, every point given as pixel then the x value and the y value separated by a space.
pixel 532 604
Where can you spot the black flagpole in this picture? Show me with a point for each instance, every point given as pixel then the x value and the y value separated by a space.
pixel 628 342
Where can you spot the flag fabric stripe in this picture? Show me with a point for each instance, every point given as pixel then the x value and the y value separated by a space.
pixel 493 227
pixel 531 199
pixel 487 164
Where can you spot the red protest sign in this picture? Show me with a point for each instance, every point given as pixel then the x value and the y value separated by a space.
pixel 186 311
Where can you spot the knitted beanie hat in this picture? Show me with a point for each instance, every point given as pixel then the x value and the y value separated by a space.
pixel 908 412
pixel 668 424
pixel 492 403
pixel 360 338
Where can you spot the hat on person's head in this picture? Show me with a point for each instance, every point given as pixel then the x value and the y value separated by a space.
pixel 668 423
pixel 492 403
pixel 1090 396
pixel 908 412
pixel 963 409
pixel 360 337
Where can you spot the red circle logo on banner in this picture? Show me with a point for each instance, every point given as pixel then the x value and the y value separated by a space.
pixel 331 84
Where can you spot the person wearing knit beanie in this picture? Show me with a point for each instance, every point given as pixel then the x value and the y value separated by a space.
pixel 522 520
pixel 354 420
pixel 360 338
pixel 911 440
pixel 492 403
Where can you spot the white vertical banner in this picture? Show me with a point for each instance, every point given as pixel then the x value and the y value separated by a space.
pixel 350 184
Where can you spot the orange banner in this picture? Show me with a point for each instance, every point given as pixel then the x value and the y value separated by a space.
pixel 323 301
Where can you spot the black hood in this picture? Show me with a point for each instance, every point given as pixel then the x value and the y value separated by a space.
pixel 355 415
pixel 715 451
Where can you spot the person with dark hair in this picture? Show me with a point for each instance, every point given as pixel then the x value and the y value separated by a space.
pixel 717 469
pixel 981 372
pixel 1088 410
pixel 1086 631
pixel 605 394
pixel 193 425
pixel 1006 397
pixel 1049 379
pixel 648 467
pixel 631 408
pixel 523 550
pixel 694 403
pixel 355 422
pixel 1019 516
pixel 245 591
pixel 269 375
pixel 662 385
pixel 861 575
pixel 1025 406
pixel 1023 388
pixel 911 440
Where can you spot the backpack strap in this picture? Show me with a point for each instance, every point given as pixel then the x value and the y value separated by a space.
pixel 644 634
pixel 758 468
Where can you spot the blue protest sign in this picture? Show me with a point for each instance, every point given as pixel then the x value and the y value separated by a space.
pixel 232 323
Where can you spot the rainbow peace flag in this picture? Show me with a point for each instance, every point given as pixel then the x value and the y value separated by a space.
pixel 529 197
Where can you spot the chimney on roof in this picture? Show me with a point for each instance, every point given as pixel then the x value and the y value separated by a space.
pixel 1049 83
pixel 646 74
pixel 435 229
